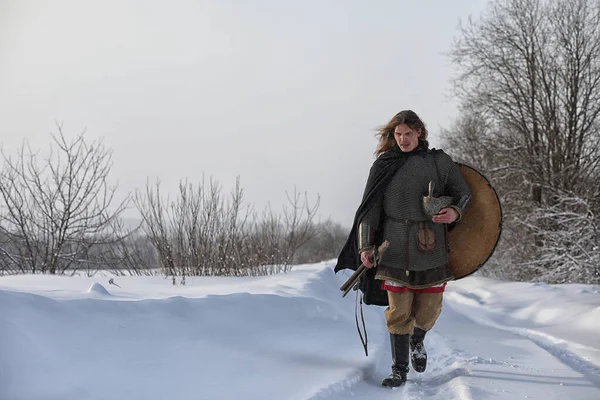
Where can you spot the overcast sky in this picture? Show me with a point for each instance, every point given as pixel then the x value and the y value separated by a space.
pixel 281 93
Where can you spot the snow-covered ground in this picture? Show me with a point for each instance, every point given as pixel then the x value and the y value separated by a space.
pixel 287 336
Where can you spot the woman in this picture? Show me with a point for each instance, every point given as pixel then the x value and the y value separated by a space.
pixel 414 268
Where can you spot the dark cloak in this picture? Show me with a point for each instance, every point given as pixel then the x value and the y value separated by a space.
pixel 382 171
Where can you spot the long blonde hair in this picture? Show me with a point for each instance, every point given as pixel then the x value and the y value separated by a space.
pixel 385 133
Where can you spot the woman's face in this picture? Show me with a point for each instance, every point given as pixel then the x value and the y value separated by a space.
pixel 407 138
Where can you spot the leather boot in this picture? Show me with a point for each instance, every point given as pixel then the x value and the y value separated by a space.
pixel 400 351
pixel 418 354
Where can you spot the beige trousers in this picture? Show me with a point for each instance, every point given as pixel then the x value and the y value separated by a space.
pixel 408 309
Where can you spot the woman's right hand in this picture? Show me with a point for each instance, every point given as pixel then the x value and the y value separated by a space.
pixel 367 258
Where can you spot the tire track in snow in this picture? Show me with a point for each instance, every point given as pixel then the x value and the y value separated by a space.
pixel 544 341
pixel 468 360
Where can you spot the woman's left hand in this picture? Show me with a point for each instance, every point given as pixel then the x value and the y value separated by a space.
pixel 445 216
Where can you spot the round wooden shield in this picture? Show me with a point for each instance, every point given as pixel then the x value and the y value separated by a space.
pixel 473 240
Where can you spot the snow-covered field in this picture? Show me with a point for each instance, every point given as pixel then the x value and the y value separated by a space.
pixel 288 336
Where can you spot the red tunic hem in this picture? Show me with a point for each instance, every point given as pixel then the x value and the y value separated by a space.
pixel 400 289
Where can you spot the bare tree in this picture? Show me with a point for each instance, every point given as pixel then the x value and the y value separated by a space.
pixel 529 86
pixel 533 68
pixel 58 210
pixel 153 211
pixel 201 232
pixel 298 217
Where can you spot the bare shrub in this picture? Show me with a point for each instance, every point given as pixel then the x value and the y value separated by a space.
pixel 58 212
pixel 201 232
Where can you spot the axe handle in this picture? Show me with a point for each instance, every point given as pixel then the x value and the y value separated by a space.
pixel 349 284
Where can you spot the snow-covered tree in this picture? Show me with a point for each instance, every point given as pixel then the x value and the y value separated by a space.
pixel 529 85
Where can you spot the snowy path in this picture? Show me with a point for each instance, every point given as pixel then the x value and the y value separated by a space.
pixel 288 336
pixel 470 361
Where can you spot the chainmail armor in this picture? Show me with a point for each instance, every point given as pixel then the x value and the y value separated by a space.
pixel 401 210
